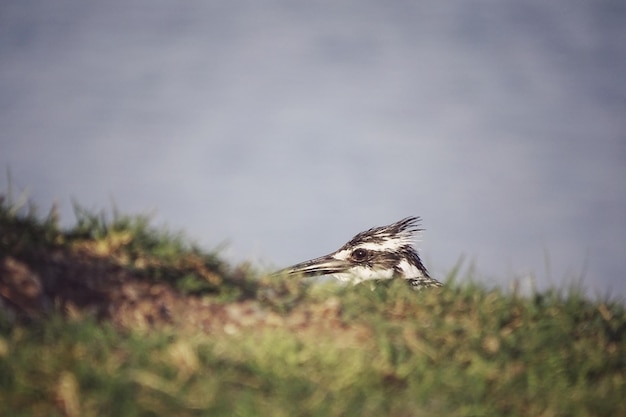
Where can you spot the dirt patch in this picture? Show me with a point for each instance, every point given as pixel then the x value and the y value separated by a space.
pixel 79 284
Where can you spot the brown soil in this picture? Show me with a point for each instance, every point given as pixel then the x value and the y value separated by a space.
pixel 82 283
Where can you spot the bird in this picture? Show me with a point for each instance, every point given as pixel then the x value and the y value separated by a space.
pixel 379 253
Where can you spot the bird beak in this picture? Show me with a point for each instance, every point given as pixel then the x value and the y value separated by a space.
pixel 324 265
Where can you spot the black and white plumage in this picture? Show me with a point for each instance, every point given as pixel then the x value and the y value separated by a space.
pixel 379 253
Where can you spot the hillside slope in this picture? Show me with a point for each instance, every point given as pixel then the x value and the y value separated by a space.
pixel 115 317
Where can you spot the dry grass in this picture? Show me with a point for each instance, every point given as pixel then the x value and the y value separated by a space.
pixel 113 317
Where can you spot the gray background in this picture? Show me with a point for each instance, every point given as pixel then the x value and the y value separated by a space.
pixel 283 128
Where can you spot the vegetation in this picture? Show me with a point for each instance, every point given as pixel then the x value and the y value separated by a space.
pixel 115 317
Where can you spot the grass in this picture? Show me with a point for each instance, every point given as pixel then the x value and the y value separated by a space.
pixel 168 329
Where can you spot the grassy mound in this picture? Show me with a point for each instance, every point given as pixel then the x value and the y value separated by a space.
pixel 114 317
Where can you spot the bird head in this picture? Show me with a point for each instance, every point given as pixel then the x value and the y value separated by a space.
pixel 379 253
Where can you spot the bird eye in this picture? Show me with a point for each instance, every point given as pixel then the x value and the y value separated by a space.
pixel 359 254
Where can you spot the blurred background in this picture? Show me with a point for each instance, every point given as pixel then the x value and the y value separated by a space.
pixel 283 128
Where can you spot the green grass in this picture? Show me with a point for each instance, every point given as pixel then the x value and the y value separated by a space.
pixel 288 348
